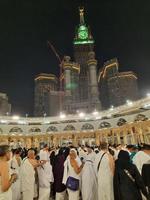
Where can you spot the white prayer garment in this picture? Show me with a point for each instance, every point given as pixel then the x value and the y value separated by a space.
pixel 44 155
pixel 44 193
pixel 5 195
pixel 104 177
pixel 27 174
pixel 140 159
pixel 16 190
pixel 61 195
pixel 69 171
pixel 89 179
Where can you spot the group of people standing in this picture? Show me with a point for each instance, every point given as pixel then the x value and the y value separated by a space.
pixel 69 173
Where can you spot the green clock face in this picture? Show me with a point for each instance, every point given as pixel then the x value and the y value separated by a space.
pixel 83 34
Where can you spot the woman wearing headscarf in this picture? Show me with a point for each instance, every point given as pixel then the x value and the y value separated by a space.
pixel 128 183
pixel 58 170
pixel 72 169
pixel 5 179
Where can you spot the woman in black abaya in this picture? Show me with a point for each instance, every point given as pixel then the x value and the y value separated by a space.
pixel 128 183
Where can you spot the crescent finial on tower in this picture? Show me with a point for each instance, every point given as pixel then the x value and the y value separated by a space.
pixel 81 10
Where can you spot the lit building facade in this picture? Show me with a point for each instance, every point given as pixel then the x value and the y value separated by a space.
pixel 45 85
pixel 85 95
pixel 127 124
pixel 82 88
pixel 116 87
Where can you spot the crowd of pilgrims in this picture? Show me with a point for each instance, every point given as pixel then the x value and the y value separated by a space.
pixel 106 172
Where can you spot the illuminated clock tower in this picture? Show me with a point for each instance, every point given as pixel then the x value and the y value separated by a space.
pixel 84 44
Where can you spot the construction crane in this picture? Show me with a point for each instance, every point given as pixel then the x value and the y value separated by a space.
pixel 60 71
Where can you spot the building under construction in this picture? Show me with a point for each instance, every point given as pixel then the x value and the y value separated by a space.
pixel 78 88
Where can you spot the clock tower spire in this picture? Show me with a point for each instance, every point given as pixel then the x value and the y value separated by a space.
pixel 81 15
pixel 82 34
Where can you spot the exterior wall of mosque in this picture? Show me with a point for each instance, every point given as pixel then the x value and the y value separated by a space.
pixel 129 129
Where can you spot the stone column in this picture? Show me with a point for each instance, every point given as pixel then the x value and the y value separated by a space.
pixel 124 137
pixel 97 138
pixel 140 133
pixel 93 82
pixel 118 138
pixel 67 75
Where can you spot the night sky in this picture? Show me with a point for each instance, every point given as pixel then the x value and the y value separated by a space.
pixel 120 28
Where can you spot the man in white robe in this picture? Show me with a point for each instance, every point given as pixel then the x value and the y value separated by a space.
pixel 27 174
pixel 15 167
pixel 44 154
pixel 45 175
pixel 142 157
pixel 104 167
pixel 88 177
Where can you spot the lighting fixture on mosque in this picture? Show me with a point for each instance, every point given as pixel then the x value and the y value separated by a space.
pixel 95 112
pixel 46 122
pixel 112 108
pixel 21 122
pixel 3 121
pixel 148 94
pixel 146 106
pixel 99 117
pixel 81 114
pixel 15 117
pixel 62 116
pixel 129 103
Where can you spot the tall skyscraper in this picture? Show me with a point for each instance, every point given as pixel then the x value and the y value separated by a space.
pixel 116 87
pixel 86 97
pixel 83 44
pixel 44 85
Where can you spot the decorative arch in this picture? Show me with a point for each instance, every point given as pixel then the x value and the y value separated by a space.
pixel 69 127
pixel 52 129
pixel 35 129
pixel 104 125
pixel 15 130
pixel 140 117
pixel 121 122
pixel 87 126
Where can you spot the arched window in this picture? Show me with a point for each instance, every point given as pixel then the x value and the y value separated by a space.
pixel 140 117
pixel 121 122
pixel 16 130
pixel 104 125
pixel 87 126
pixel 52 129
pixel 35 129
pixel 69 127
